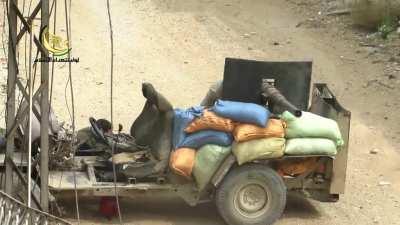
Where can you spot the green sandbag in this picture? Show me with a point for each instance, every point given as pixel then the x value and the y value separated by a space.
pixel 266 148
pixel 310 125
pixel 208 159
pixel 310 146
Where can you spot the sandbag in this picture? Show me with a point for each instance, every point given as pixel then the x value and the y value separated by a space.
pixel 181 120
pixel 210 121
pixel 310 125
pixel 204 137
pixel 266 148
pixel 208 159
pixel 242 112
pixel 182 161
pixel 310 146
pixel 247 132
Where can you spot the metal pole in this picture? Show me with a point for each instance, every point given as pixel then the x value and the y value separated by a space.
pixel 30 118
pixel 11 85
pixel 44 124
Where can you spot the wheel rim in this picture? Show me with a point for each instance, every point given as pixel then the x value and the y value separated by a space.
pixel 251 200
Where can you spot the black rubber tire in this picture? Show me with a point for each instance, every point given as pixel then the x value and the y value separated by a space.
pixel 251 174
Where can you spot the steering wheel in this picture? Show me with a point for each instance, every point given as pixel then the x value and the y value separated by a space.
pixel 96 130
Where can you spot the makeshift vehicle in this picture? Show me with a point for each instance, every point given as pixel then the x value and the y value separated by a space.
pixel 253 193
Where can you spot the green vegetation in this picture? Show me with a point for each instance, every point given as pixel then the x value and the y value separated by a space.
pixel 388 25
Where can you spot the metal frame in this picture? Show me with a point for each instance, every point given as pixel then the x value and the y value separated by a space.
pixel 15 116
pixel 13 212
pixel 324 103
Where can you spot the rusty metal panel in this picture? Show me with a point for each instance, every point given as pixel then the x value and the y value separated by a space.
pixel 325 104
pixel 14 212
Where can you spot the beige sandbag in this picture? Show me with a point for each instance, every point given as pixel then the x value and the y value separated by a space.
pixel 247 132
pixel 182 161
pixel 310 146
pixel 210 121
pixel 311 125
pixel 265 148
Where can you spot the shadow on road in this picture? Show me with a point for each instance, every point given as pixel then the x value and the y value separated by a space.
pixel 171 211
pixel 146 211
pixel 299 207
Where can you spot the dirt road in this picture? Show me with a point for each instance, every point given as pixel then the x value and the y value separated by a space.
pixel 180 46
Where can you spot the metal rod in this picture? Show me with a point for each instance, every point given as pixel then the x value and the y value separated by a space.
pixel 28 27
pixel 20 115
pixel 30 19
pixel 21 176
pixel 44 123
pixel 12 75
pixel 30 118
pixel 26 96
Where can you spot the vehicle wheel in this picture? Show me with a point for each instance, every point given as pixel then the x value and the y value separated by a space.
pixel 251 195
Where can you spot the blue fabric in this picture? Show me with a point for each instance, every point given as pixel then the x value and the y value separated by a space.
pixel 242 112
pixel 204 137
pixel 2 142
pixel 181 121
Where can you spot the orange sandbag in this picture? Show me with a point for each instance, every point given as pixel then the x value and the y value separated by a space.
pixel 246 132
pixel 210 121
pixel 182 161
pixel 296 167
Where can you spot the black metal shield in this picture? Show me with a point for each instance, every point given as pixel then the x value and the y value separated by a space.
pixel 243 78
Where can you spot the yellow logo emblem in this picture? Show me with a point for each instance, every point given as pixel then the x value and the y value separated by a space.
pixel 53 43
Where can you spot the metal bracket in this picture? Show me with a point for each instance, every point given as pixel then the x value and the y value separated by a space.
pixel 223 170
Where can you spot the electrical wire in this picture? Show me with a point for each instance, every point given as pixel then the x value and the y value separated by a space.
pixel 30 118
pixel 25 45
pixel 111 108
pixel 2 33
pixel 69 34
pixel 27 74
pixel 52 63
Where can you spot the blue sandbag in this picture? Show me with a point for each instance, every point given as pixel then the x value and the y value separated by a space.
pixel 204 137
pixel 242 112
pixel 181 121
